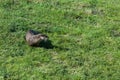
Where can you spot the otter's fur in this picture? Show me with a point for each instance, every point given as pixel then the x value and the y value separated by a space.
pixel 34 38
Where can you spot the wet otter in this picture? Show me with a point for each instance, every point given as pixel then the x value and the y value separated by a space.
pixel 34 38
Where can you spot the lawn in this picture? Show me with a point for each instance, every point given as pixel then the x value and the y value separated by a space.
pixel 85 33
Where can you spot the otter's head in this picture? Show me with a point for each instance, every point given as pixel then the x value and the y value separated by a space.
pixel 42 37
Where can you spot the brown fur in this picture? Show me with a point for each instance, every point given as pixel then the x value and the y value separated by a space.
pixel 34 38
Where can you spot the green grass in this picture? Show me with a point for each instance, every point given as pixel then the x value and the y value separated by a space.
pixel 86 33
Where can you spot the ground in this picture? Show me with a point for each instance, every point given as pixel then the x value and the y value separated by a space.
pixel 85 33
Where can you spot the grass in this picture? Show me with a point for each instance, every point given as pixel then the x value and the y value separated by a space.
pixel 86 33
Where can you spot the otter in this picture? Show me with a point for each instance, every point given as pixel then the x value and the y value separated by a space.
pixel 34 38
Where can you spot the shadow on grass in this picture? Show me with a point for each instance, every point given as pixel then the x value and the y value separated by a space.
pixel 48 45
